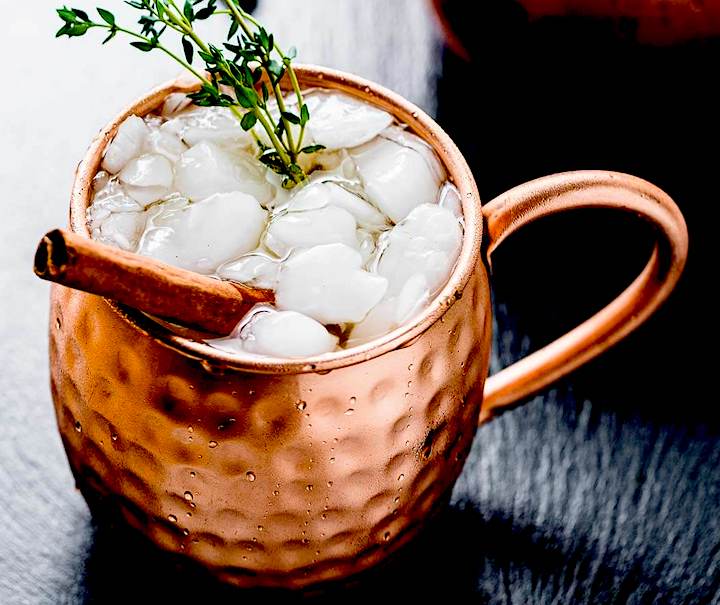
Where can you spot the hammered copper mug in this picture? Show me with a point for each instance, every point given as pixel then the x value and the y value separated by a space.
pixel 286 473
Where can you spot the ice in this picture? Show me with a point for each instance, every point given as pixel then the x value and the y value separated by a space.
pixel 304 229
pixel 174 103
pixel 114 218
pixel 328 284
pixel 121 229
pixel 255 269
pixel 206 169
pixel 147 178
pixel 286 334
pixel 341 121
pixel 392 311
pixel 330 166
pixel 209 124
pixel 110 197
pixel 329 193
pixel 427 242
pixel 366 245
pixel 398 173
pixel 450 199
pixel 202 235
pixel 149 170
pixel 126 145
pixel 164 143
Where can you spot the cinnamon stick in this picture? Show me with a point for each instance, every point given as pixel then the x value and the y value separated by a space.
pixel 174 294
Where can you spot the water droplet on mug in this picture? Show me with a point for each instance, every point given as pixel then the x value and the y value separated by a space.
pixel 301 405
pixel 410 367
pixel 349 412
pixel 332 460
pixel 190 429
pixel 276 493
pixel 58 323
pixel 186 532
pixel 212 444
pixel 192 474
pixel 309 487
pixel 78 426
pixel 260 528
pixel 329 483
pixel 224 425
pixel 114 437
pixel 250 476
pixel 172 518
pixel 401 477
pixel 397 499
pixel 188 496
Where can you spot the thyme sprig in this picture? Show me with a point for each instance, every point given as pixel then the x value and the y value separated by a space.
pixel 242 74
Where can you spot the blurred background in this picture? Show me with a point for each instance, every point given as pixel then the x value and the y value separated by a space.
pixel 604 489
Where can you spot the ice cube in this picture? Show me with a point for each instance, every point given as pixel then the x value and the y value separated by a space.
pixel 174 103
pixel 215 125
pixel 398 176
pixel 147 178
pixel 254 269
pixel 341 121
pixel 202 235
pixel 121 229
pixel 126 145
pixel 328 284
pixel 149 170
pixel 304 229
pixel 109 198
pixel 428 242
pixel 286 334
pixel 404 137
pixel 206 169
pixel 450 199
pixel 366 245
pixel 392 311
pixel 329 193
pixel 164 143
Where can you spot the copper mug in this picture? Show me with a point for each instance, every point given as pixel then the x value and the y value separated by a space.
pixel 286 473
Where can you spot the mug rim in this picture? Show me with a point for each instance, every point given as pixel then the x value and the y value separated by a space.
pixel 458 173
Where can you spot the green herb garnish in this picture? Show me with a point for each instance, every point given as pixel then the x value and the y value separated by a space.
pixel 239 65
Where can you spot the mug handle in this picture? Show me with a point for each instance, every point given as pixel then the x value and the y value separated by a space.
pixel 570 191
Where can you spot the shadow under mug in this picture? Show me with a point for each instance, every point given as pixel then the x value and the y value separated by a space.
pixel 286 473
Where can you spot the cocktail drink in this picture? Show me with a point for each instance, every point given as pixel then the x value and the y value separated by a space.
pixel 312 435
pixel 353 253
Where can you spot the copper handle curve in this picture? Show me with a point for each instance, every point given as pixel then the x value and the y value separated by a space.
pixel 569 191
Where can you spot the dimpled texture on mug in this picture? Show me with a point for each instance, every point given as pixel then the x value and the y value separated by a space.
pixel 267 480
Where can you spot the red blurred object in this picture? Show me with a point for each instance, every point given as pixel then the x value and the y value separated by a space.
pixel 653 22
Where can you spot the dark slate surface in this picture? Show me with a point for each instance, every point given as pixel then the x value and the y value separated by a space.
pixel 604 489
